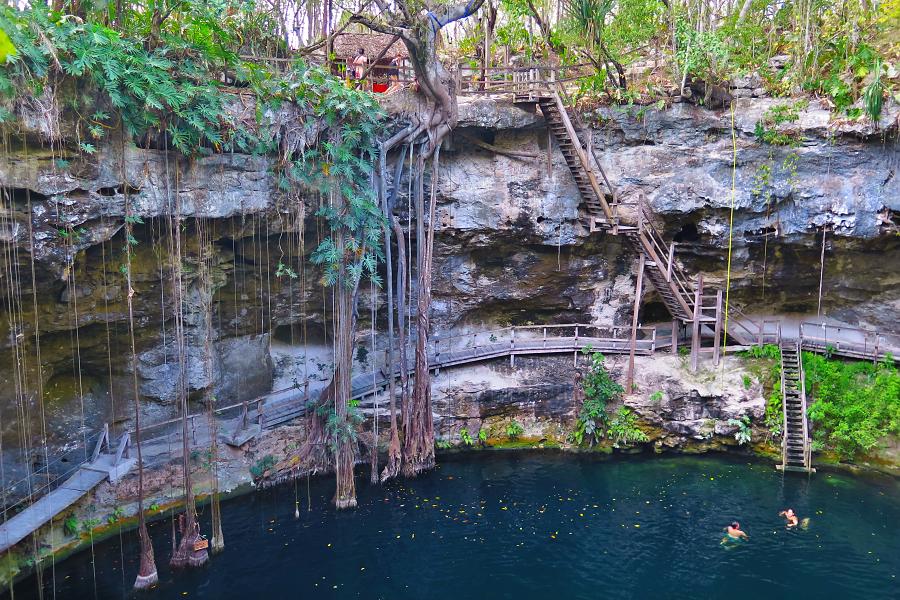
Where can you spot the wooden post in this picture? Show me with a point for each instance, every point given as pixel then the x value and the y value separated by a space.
pixel 575 358
pixel 695 331
pixel 671 259
pixel 674 336
pixel 549 151
pixel 512 347
pixel 634 323
pixel 718 329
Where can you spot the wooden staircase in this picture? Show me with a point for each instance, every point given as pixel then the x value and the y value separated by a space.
pixel 602 213
pixel 598 208
pixel 795 449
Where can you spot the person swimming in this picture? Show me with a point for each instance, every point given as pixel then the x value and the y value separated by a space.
pixel 790 516
pixel 735 533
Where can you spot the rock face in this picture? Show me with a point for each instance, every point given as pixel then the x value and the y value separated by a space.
pixel 510 249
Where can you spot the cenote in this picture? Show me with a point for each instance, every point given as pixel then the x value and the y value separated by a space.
pixel 533 525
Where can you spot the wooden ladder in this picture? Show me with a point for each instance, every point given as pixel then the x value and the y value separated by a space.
pixel 795 448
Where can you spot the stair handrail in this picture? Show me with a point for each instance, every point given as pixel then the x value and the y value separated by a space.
pixel 757 335
pixel 807 447
pixel 784 414
pixel 660 248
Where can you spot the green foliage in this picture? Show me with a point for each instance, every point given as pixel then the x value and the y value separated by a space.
pixel 482 436
pixel 623 429
pixel 656 396
pixel 873 96
pixel 742 435
pixel 117 513
pixel 514 430
pixel 765 351
pixel 774 418
pixel 262 465
pixel 285 271
pixel 466 437
pixel 599 390
pixel 612 29
pixel 88 524
pixel 153 507
pixel 341 430
pixel 699 52
pixel 747 381
pixel 442 444
pixel 169 88
pixel 767 129
pixel 854 405
pixel 70 525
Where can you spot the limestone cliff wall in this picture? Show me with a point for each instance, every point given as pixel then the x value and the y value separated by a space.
pixel 509 249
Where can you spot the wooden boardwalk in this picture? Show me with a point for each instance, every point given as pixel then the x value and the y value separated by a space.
pixel 284 405
pixel 101 466
pixel 452 351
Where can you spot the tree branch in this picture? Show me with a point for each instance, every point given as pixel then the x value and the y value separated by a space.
pixel 461 11
pixel 380 26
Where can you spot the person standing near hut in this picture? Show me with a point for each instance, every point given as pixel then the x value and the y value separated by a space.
pixel 394 71
pixel 360 62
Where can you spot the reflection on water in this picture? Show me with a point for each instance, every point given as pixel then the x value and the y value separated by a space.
pixel 525 525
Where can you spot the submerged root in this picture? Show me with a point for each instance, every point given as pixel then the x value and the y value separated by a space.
pixel 145 582
pixel 418 465
pixel 392 468
pixel 185 555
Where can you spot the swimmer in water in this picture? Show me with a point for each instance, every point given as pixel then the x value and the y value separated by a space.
pixel 792 519
pixel 735 532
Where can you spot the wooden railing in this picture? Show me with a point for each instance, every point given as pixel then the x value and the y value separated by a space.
pixel 517 79
pixel 663 256
pixel 766 331
pixel 456 349
pixel 846 341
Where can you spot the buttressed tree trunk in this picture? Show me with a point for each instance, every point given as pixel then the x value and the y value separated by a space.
pixel 419 27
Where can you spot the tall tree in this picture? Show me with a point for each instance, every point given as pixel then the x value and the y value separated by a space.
pixel 419 25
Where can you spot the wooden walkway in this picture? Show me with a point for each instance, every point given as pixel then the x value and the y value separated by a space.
pixel 452 351
pixel 285 405
pixel 101 466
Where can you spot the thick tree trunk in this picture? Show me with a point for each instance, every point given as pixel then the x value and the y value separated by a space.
pixel 418 451
pixel 394 459
pixel 344 446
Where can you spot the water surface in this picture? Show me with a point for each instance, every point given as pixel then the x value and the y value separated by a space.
pixel 526 525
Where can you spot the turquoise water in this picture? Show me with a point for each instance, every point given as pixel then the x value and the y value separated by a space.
pixel 526 525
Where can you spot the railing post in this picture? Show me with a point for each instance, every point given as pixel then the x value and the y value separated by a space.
pixel 437 348
pixel 718 327
pixel 695 330
pixel 674 336
pixel 671 258
pixel 634 323
pixel 575 358
pixel 512 347
pixel 545 337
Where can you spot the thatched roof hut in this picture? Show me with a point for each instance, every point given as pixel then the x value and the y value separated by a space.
pixel 346 45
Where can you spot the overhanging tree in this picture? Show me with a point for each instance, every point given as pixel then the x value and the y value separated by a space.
pixel 418 24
